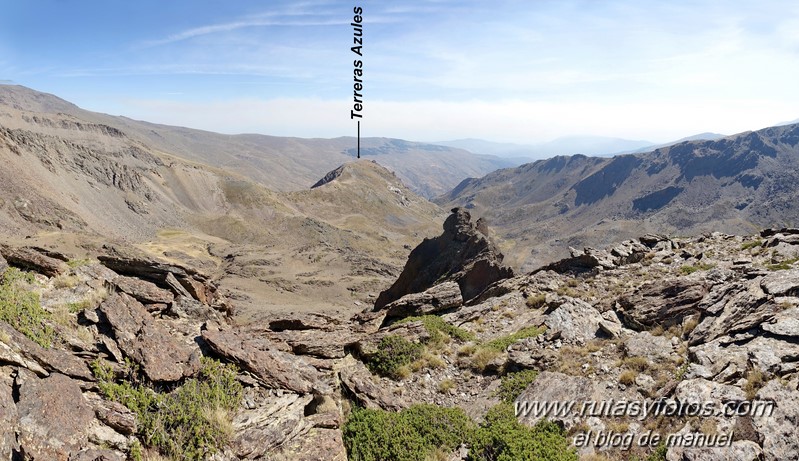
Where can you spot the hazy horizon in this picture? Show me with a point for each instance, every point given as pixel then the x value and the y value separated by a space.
pixel 518 72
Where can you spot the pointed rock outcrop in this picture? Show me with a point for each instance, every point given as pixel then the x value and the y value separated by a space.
pixel 462 254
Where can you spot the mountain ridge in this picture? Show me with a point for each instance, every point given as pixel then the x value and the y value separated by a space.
pixel 734 184
pixel 280 163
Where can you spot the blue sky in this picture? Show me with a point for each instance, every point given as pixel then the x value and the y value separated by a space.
pixel 519 71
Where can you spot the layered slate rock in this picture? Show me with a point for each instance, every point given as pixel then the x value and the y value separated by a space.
pixel 53 417
pixel 31 259
pixel 364 388
pixel 3 265
pixel 663 302
pixel 123 262
pixel 778 430
pixel 141 338
pixel 741 306
pixel 260 356
pixel 260 431
pixel 576 320
pixel 17 349
pixel 462 254
pixel 781 283
pixel 8 414
pixel 558 387
pixel 439 298
pixel 314 334
pixel 144 291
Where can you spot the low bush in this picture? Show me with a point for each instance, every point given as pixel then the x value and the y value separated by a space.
pixel 190 422
pixel 688 270
pixel 437 327
pixel 502 438
pixel 513 384
pixel 393 353
pixel 412 434
pixel 502 343
pixel 21 308
pixel 426 431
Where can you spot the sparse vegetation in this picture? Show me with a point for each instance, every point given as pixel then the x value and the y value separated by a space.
pixel 536 301
pixel 688 269
pixel 636 363
pixel 753 244
pixel 446 386
pixel 89 301
pixel 782 265
pixel 437 328
pixel 482 357
pixel 66 281
pixel 754 382
pixel 190 422
pixel 502 343
pixel 513 384
pixel 73 263
pixel 21 308
pixel 393 352
pixel 627 377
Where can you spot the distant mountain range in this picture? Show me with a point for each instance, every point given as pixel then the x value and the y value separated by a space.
pixel 598 146
pixel 279 163
pixel 735 184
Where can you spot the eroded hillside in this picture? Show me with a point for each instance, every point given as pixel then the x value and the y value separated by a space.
pixel 736 184
pixel 72 181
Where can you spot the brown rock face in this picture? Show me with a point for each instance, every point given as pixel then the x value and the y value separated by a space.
pixel 17 349
pixel 144 291
pixel 53 417
pixel 190 282
pixel 436 299
pixel 29 258
pixel 141 338
pixel 8 415
pixel 462 254
pixel 663 302
pixel 260 356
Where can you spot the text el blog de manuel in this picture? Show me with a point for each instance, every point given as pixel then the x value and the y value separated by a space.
pixel 357 70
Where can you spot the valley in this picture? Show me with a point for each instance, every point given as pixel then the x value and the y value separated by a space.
pixel 169 293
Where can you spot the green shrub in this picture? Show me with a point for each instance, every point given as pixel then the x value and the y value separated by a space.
pixel 783 265
pixel 502 438
pixel 513 384
pixel 412 434
pixel 659 454
pixel 190 422
pixel 752 244
pixel 21 308
pixel 393 352
pixel 503 342
pixel 437 327
pixel 422 430
pixel 687 270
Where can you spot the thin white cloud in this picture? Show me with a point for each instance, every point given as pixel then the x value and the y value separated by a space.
pixel 232 26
